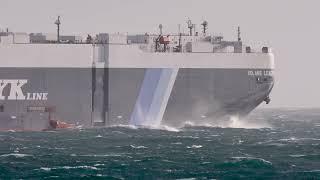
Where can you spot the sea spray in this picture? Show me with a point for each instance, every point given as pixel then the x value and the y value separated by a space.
pixel 237 122
pixel 233 121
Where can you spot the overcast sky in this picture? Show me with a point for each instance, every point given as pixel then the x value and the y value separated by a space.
pixel 291 27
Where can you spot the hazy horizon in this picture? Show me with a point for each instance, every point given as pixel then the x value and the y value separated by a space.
pixel 289 27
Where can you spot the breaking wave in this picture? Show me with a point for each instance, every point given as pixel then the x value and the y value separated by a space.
pixel 138 147
pixel 125 126
pixel 165 128
pixel 17 155
pixel 240 158
pixel 194 146
pixel 69 167
pixel 160 127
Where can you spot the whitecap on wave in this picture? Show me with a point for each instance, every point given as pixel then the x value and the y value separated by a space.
pixel 165 128
pixel 138 147
pixel 251 158
pixel 194 124
pixel 95 165
pixel 160 127
pixel 125 126
pixel 118 132
pixel 194 146
pixel 100 155
pixel 294 139
pixel 177 143
pixel 17 155
pixel 315 170
pixel 68 167
pixel 45 168
pixel 297 155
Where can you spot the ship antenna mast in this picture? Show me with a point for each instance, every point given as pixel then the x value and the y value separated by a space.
pixel 190 26
pixel 205 27
pixel 160 28
pixel 239 34
pixel 57 22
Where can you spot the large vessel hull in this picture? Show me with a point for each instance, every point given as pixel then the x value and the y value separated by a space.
pixel 140 96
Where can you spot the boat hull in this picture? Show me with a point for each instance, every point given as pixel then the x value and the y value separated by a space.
pixel 90 97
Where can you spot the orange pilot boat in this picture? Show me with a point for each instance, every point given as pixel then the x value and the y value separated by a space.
pixel 56 124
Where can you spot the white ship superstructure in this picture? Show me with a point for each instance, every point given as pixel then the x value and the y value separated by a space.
pixel 144 79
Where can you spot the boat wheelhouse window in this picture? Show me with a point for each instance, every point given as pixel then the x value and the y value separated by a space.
pixel 259 80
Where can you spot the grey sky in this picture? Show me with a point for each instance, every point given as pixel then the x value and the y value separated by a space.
pixel 291 27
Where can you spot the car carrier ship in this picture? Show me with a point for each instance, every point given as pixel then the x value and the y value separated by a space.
pixel 142 79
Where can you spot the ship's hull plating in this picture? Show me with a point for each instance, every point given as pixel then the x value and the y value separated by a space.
pixel 111 96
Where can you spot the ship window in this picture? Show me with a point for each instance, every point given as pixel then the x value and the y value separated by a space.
pixel 1 108
pixel 258 80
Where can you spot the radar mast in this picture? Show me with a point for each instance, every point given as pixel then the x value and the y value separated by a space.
pixel 190 26
pixel 160 28
pixel 239 34
pixel 204 27
pixel 57 22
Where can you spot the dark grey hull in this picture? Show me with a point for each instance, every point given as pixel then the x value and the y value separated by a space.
pixel 102 97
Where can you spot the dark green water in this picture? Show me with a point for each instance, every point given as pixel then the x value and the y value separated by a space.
pixel 289 149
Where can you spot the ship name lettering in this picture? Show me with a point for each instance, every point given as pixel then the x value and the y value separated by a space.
pixel 267 73
pixel 37 96
pixel 16 91
pixel 255 73
pixel 260 73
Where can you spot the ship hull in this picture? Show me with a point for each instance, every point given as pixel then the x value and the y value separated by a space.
pixel 92 97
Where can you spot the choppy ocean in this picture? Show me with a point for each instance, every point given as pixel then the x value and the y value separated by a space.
pixel 269 144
